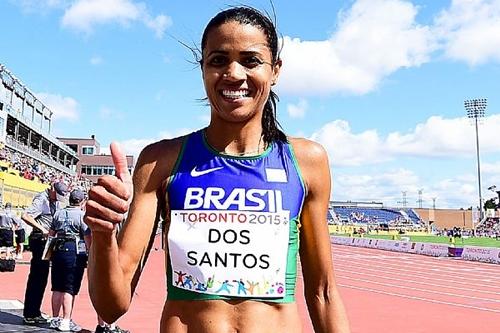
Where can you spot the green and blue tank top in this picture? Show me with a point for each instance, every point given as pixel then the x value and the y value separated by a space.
pixel 234 224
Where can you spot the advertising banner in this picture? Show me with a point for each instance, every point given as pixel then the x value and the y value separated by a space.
pixel 484 254
pixel 435 250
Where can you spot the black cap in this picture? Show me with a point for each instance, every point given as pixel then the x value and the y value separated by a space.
pixel 76 196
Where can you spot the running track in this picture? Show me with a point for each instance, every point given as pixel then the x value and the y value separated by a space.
pixel 384 292
pixel 390 292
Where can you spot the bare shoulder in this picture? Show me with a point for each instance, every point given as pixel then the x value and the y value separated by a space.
pixel 313 163
pixel 308 152
pixel 156 161
pixel 161 151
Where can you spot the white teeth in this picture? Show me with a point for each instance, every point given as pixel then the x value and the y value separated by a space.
pixel 234 94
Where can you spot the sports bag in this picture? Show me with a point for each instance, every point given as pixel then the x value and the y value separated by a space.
pixel 7 265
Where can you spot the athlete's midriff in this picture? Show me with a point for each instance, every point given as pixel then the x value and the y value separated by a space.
pixel 233 316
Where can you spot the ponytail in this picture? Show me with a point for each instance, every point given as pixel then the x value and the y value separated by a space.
pixel 271 128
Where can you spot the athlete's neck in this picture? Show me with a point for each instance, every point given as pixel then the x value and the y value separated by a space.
pixel 243 142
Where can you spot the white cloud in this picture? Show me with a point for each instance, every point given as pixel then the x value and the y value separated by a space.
pixel 491 168
pixel 84 15
pixel 96 60
pixel 158 24
pixel 374 39
pixel 454 193
pixel 490 176
pixel 347 148
pixel 437 137
pixel 62 107
pixel 135 146
pixel 387 186
pixel 470 30
pixel 297 110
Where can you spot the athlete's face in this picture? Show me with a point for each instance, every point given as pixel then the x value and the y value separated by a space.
pixel 238 71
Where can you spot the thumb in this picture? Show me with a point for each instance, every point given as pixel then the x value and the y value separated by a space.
pixel 121 167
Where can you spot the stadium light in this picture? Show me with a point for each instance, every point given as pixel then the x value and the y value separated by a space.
pixel 475 111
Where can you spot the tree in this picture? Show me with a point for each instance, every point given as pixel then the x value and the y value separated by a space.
pixel 490 204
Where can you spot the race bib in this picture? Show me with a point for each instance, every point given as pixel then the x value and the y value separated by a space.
pixel 229 253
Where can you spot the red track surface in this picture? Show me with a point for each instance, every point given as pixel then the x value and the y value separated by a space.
pixel 383 292
pixel 398 292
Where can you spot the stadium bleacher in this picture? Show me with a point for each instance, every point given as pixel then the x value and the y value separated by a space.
pixel 374 216
pixel 489 228
pixel 31 158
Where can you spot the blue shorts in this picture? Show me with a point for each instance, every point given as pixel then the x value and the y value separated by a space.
pixel 67 268
pixel 20 236
pixel 6 237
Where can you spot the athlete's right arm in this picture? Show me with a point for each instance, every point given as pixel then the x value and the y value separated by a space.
pixel 113 264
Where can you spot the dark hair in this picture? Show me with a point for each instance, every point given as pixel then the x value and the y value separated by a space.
pixel 271 128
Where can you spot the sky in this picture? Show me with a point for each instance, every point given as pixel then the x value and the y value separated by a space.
pixel 381 84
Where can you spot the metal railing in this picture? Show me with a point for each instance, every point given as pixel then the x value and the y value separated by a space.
pixel 34 127
pixel 11 143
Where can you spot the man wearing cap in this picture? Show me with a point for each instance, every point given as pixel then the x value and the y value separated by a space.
pixel 39 216
pixel 69 259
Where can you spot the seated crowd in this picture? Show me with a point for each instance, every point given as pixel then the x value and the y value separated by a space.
pixel 31 169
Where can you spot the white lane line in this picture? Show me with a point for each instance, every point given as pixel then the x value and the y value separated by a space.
pixel 412 273
pixel 422 290
pixel 421 259
pixel 10 304
pixel 429 300
pixel 446 286
pixel 430 271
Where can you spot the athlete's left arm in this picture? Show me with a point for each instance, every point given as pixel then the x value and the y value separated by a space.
pixel 322 296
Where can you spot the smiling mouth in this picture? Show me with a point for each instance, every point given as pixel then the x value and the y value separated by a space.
pixel 235 94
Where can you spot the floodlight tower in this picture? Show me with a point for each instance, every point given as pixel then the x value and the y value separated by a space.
pixel 475 111
pixel 419 201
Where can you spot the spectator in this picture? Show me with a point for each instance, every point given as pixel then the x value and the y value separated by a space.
pixel 6 233
pixel 20 233
pixel 39 216
pixel 69 260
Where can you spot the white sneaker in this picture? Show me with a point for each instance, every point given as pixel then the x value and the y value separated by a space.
pixel 74 326
pixel 54 322
pixel 68 326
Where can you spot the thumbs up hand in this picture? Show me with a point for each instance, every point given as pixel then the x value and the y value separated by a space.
pixel 121 167
pixel 110 198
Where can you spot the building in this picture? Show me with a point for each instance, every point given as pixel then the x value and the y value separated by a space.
pixel 31 158
pixel 25 126
pixel 91 163
pixel 447 218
